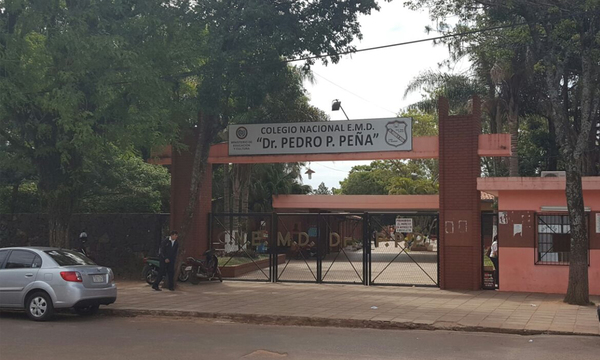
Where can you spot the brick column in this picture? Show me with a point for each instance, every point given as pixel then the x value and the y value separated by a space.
pixel 181 175
pixel 460 213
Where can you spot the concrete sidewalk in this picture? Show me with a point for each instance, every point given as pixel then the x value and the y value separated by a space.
pixel 360 306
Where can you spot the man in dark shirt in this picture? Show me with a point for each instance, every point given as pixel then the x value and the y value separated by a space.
pixel 167 254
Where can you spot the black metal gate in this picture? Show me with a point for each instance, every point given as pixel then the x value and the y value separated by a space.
pixel 320 248
pixel 244 245
pixel 347 248
pixel 404 249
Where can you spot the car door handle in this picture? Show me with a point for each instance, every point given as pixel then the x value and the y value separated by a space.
pixel 28 275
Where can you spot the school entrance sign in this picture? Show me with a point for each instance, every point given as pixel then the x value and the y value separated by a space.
pixel 458 147
pixel 355 136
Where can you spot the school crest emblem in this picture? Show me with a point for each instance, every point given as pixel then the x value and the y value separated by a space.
pixel 396 133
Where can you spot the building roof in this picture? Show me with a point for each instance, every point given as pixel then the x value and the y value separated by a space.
pixel 493 185
pixel 361 202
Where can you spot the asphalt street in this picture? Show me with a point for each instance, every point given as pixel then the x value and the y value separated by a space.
pixel 104 337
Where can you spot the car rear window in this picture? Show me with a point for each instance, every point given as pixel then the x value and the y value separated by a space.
pixel 69 258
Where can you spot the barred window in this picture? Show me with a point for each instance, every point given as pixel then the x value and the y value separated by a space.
pixel 554 239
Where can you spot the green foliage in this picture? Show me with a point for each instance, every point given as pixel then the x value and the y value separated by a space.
pixel 534 145
pixel 25 200
pixel 124 183
pixel 78 75
pixel 322 190
pixel 365 180
pixel 274 179
pixel 397 177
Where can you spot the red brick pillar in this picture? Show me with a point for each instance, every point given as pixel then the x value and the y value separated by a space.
pixel 181 174
pixel 460 214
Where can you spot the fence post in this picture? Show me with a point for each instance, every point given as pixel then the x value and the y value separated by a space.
pixel 366 250
pixel 274 253
pixel 321 243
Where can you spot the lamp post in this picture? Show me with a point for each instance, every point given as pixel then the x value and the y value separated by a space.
pixel 336 105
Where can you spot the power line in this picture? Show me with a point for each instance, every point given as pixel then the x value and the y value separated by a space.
pixel 330 168
pixel 358 96
pixel 405 43
pixel 441 37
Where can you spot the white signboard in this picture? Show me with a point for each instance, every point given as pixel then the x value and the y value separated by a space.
pixel 597 223
pixel 404 225
pixel 374 135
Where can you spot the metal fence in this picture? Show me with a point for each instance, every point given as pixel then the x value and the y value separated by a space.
pixel 345 248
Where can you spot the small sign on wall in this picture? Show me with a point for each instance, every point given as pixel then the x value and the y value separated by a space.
pixel 404 225
pixel 597 223
pixel 488 280
pixel 518 229
pixel 503 217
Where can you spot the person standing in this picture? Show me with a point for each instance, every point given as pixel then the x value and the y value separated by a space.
pixel 167 254
pixel 494 258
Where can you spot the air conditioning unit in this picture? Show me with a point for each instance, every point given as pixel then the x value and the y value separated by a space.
pixel 553 174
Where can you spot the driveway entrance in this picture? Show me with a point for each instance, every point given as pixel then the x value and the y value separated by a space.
pixel 343 248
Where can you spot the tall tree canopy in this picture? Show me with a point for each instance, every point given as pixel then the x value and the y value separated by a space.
pixel 78 76
pixel 545 60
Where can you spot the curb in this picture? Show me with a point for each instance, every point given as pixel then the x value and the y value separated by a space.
pixel 326 322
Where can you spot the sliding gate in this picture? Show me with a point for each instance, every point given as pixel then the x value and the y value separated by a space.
pixel 346 248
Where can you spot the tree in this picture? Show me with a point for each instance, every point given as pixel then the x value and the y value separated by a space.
pixel 247 41
pixel 76 75
pixel 288 104
pixel 124 183
pixel 274 179
pixel 322 190
pixel 397 177
pixel 565 55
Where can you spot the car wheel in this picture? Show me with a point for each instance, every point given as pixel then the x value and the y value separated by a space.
pixel 39 306
pixel 86 310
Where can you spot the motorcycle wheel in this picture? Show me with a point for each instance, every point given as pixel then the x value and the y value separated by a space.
pixel 183 275
pixel 219 274
pixel 194 279
pixel 149 274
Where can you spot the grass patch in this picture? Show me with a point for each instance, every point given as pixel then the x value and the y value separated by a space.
pixel 487 262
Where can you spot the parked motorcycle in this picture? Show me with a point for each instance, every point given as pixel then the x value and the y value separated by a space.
pixel 151 269
pixel 197 269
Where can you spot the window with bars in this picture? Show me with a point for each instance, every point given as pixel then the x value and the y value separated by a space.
pixel 553 239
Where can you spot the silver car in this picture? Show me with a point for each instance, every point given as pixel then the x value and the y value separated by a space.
pixel 41 279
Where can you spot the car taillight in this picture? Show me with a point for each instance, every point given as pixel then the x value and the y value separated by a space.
pixel 73 276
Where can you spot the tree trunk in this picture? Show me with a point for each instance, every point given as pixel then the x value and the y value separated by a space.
pixel 13 198
pixel 226 195
pixel 552 164
pixel 59 185
pixel 236 184
pixel 592 156
pixel 204 136
pixel 498 162
pixel 513 128
pixel 573 145
pixel 578 290
pixel 59 217
pixel 246 175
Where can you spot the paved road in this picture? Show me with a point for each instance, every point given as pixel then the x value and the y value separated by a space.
pixel 103 337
